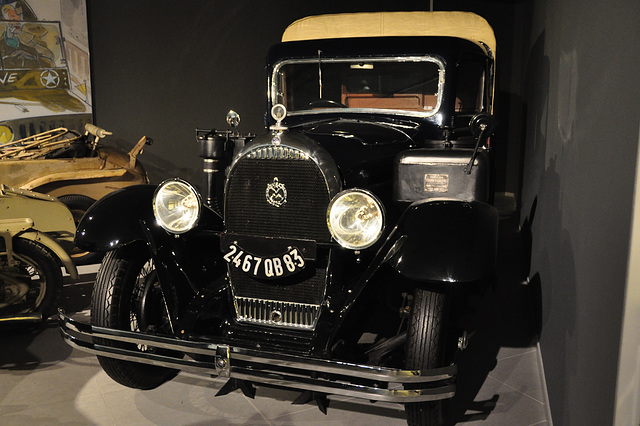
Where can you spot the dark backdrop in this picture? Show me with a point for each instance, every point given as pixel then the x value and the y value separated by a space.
pixel 163 68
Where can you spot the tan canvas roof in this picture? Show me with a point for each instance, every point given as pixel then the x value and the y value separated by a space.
pixel 464 25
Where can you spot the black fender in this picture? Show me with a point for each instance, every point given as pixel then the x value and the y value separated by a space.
pixel 116 219
pixel 125 216
pixel 191 261
pixel 445 241
pixel 437 241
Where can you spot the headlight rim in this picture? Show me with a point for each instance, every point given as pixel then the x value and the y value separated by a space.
pixel 192 224
pixel 380 207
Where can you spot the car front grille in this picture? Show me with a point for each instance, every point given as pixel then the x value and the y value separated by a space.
pixel 297 213
pixel 270 312
pixel 303 215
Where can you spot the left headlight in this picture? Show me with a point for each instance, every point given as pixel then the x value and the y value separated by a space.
pixel 355 219
pixel 176 206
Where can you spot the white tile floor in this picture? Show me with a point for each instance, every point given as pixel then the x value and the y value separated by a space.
pixel 53 384
pixel 43 382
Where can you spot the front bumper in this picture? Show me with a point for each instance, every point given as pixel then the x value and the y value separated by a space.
pixel 290 371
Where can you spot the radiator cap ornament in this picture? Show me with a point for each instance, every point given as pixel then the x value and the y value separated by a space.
pixel 276 193
pixel 278 112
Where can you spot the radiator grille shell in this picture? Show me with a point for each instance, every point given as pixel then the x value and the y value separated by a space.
pixel 308 179
pixel 302 216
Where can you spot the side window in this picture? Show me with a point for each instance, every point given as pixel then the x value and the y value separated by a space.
pixel 470 87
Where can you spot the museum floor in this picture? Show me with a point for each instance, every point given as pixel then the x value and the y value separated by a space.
pixel 43 381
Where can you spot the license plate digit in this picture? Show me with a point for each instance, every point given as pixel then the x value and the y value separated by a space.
pixel 232 250
pixel 288 262
pixel 256 268
pixel 246 263
pixel 237 261
pixel 299 260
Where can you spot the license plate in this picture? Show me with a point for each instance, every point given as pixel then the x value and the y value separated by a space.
pixel 283 265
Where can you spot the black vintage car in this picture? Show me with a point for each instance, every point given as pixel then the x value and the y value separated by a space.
pixel 332 254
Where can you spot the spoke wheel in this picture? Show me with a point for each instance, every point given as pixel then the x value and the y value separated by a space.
pixel 127 296
pixel 33 284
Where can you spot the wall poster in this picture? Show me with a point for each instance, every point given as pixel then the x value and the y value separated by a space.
pixel 44 67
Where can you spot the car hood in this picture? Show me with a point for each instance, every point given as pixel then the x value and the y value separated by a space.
pixel 364 151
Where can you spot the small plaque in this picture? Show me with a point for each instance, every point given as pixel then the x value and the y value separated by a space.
pixel 436 183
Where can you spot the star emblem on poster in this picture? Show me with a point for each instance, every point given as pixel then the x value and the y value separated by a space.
pixel 49 79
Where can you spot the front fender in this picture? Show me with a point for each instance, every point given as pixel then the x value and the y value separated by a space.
pixel 126 216
pixel 445 241
pixel 117 219
pixel 51 244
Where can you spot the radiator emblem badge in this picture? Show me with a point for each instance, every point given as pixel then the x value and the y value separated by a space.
pixel 276 193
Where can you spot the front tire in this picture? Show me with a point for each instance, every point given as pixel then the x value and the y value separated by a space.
pixel 428 347
pixel 127 296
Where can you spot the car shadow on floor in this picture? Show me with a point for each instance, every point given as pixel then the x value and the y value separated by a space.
pixel 507 316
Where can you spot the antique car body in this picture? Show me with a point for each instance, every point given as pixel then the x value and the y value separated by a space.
pixel 332 254
pixel 36 231
pixel 75 168
pixel 62 163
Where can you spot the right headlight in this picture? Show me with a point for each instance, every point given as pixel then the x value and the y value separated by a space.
pixel 355 219
pixel 176 206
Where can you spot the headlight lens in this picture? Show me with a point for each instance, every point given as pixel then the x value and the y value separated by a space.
pixel 176 206
pixel 355 219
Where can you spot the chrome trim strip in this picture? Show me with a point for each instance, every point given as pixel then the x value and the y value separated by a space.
pixel 346 389
pixel 278 152
pixel 264 366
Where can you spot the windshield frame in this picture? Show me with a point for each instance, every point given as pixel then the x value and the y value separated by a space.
pixel 273 87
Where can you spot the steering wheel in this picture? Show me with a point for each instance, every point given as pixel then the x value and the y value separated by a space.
pixel 326 103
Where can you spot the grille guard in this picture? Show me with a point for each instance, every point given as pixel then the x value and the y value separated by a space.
pixel 291 371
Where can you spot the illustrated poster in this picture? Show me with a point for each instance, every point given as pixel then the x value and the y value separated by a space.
pixel 44 67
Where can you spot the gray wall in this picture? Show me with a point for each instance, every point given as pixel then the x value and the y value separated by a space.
pixel 581 91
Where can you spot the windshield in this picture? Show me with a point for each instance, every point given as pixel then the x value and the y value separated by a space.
pixel 411 85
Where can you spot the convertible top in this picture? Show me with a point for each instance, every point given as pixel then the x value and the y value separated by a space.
pixel 465 25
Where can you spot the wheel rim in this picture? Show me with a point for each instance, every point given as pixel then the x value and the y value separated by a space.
pixel 148 312
pixel 24 285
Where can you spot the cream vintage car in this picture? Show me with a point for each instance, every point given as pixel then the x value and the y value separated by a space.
pixel 78 169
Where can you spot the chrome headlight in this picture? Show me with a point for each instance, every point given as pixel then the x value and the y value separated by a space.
pixel 176 206
pixel 355 218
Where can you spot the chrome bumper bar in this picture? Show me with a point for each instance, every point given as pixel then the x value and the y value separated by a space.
pixel 291 371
